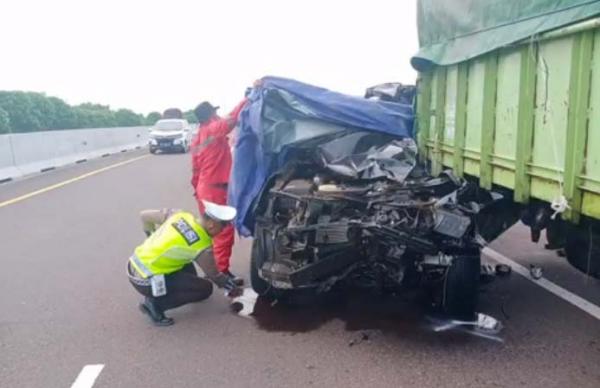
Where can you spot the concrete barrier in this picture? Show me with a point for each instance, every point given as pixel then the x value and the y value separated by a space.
pixel 26 153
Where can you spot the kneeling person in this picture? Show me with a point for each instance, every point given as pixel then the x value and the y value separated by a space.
pixel 162 269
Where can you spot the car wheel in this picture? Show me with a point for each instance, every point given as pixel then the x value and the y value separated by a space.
pixel 460 291
pixel 258 284
pixel 583 248
pixel 152 151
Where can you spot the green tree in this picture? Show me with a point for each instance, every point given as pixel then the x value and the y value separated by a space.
pixel 43 111
pixel 22 114
pixel 152 118
pixel 64 116
pixel 30 111
pixel 190 116
pixel 128 118
pixel 4 121
pixel 95 116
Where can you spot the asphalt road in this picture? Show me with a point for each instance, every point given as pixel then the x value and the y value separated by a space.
pixel 65 303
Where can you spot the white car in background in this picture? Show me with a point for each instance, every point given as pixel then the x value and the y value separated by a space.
pixel 170 135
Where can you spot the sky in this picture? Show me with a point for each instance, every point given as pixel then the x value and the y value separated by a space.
pixel 152 55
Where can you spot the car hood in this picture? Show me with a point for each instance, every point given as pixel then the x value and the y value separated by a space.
pixel 282 113
pixel 165 134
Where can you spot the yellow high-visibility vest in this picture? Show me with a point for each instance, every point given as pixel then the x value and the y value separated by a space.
pixel 176 243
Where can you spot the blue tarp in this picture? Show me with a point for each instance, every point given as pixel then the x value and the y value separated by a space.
pixel 253 159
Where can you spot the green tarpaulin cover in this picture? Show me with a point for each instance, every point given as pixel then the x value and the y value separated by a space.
pixel 451 31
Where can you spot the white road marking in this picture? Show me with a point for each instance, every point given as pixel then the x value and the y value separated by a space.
pixel 69 181
pixel 546 284
pixel 88 376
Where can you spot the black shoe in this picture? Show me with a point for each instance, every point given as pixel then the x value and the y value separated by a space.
pixel 238 281
pixel 158 317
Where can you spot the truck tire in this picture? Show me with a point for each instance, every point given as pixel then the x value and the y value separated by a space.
pixel 583 248
pixel 461 287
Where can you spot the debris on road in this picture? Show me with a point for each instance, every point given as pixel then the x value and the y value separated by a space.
pixel 503 270
pixel 488 273
pixel 364 337
pixel 483 325
pixel 243 305
pixel 535 271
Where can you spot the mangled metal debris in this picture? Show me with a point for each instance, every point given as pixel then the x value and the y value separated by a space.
pixel 358 210
pixel 503 270
pixel 536 272
pixel 482 325
pixel 331 188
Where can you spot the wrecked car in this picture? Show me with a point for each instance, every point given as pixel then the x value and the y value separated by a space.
pixel 331 190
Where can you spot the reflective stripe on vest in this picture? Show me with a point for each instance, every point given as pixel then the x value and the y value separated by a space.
pixel 199 147
pixel 139 266
pixel 176 243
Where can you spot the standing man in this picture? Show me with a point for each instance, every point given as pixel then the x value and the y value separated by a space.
pixel 162 269
pixel 211 166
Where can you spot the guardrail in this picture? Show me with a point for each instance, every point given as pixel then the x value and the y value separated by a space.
pixel 27 153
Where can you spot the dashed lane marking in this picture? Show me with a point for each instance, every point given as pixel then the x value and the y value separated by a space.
pixel 88 375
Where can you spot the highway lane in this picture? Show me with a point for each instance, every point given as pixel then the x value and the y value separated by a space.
pixel 65 303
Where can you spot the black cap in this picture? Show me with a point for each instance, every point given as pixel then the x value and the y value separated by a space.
pixel 204 111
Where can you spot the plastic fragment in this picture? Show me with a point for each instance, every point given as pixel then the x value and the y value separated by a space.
pixel 536 272
pixel 503 270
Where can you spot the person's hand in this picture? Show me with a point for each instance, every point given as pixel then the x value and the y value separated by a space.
pixel 231 289
pixel 234 292
pixel 258 83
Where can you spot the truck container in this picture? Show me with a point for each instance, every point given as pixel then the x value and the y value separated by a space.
pixel 509 95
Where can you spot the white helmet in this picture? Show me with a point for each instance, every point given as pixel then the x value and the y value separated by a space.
pixel 216 212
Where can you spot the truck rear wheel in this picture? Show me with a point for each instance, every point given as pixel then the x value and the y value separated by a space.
pixel 583 248
pixel 461 287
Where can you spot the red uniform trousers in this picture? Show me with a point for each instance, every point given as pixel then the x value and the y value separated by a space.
pixel 223 242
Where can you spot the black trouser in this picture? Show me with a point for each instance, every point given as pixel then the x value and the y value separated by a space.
pixel 183 287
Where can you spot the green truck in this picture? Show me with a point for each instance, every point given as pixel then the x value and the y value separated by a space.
pixel 508 94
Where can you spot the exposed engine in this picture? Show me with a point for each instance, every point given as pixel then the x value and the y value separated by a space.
pixel 315 234
pixel 358 209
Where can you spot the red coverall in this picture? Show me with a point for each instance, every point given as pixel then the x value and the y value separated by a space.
pixel 211 165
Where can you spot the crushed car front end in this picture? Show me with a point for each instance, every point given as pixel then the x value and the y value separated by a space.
pixel 348 205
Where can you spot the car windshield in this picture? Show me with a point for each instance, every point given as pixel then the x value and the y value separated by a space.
pixel 169 125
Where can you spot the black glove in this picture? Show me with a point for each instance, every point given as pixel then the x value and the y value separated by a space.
pixel 231 289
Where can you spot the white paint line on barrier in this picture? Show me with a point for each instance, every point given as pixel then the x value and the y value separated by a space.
pixel 546 284
pixel 88 376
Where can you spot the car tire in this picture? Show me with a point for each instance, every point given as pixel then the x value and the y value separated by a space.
pixel 460 291
pixel 583 248
pixel 259 285
pixel 152 151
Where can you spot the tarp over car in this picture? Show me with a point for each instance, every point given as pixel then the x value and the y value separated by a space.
pixel 452 31
pixel 281 112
